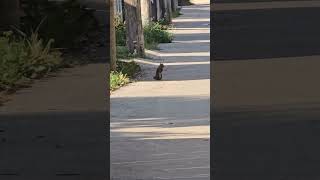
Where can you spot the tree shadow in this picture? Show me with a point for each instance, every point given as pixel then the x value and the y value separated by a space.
pixel 271 142
pixel 264 142
pixel 246 1
pixel 265 33
pixel 51 145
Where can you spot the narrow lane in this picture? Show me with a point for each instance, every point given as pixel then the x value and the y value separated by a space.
pixel 160 129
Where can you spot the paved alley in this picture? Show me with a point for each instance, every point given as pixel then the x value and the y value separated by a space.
pixel 160 129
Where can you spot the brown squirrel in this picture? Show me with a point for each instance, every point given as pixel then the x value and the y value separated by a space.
pixel 158 75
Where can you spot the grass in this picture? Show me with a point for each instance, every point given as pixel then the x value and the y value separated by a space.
pixel 120 32
pixel 185 3
pixel 123 75
pixel 177 13
pixel 23 59
pixel 117 80
pixel 164 23
pixel 156 33
pixel 151 45
pixel 123 53
pixel 128 68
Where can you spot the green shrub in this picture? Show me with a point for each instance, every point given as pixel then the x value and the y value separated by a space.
pixel 120 32
pixel 24 59
pixel 123 53
pixel 154 34
pixel 151 45
pixel 185 3
pixel 66 21
pixel 176 13
pixel 128 68
pixel 125 71
pixel 41 59
pixel 164 22
pixel 117 79
pixel 12 55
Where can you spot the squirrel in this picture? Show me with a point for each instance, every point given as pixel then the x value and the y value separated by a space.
pixel 158 75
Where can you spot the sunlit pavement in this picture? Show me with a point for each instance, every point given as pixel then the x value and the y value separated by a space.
pixel 160 129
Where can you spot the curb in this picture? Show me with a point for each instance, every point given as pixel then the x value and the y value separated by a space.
pixel 153 54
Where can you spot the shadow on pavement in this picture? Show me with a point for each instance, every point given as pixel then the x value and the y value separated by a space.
pixel 266 144
pixel 54 145
pixel 265 33
pixel 248 1
pixel 274 142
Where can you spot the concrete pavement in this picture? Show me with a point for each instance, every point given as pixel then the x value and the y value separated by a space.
pixel 160 129
pixel 56 129
pixel 266 96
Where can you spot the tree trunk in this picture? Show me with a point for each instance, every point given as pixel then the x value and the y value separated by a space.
pixel 145 12
pixel 162 8
pixel 154 10
pixel 9 13
pixel 174 4
pixel 168 11
pixel 113 47
pixel 134 29
pixel 158 10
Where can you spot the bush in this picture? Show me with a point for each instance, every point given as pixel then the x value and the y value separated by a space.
pixel 120 32
pixel 117 79
pixel 12 55
pixel 41 59
pixel 125 71
pixel 24 59
pixel 151 45
pixel 65 21
pixel 154 34
pixel 123 53
pixel 176 13
pixel 164 22
pixel 128 68
pixel 185 3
